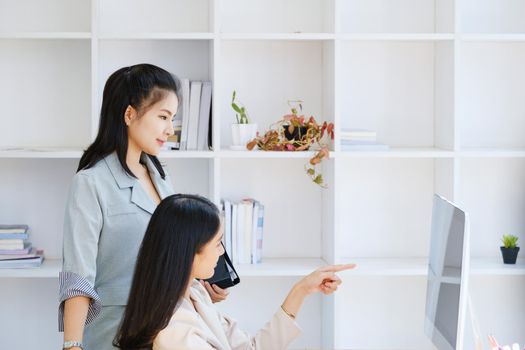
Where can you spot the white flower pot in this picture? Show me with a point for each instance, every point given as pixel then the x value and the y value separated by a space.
pixel 242 134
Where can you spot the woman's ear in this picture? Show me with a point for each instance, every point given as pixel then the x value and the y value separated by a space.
pixel 129 115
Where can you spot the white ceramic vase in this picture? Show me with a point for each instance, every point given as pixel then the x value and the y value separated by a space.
pixel 242 134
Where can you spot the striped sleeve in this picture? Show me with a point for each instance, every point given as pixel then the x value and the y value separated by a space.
pixel 73 285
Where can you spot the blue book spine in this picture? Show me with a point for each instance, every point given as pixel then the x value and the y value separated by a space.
pixel 13 236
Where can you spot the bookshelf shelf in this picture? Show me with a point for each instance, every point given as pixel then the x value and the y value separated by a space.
pixel 441 84
pixel 257 154
pixel 519 37
pixel 74 153
pixel 50 269
pixel 270 267
pixel 395 37
pixel 156 36
pixel 46 35
pixel 186 154
pixel 20 152
pixel 495 267
pixel 419 267
pixel 277 36
pixel 288 267
pixel 491 153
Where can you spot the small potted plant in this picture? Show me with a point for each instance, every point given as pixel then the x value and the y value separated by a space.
pixel 509 250
pixel 242 131
pixel 294 133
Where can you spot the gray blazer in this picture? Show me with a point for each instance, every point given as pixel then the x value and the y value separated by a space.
pixel 107 213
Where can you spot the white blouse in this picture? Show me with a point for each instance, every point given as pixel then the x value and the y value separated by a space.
pixel 202 326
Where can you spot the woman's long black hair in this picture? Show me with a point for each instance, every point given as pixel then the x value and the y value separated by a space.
pixel 180 226
pixel 139 86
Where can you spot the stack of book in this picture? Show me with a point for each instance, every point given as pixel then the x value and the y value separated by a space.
pixel 192 123
pixel 360 140
pixel 15 249
pixel 243 230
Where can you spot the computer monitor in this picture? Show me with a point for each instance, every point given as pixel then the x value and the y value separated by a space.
pixel 447 286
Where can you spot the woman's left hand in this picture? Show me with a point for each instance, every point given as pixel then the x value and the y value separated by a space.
pixel 217 294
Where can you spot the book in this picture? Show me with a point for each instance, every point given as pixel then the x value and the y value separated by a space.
pixel 255 219
pixel 227 237
pixel 210 130
pixel 243 230
pixel 185 113
pixel 35 261
pixel 11 244
pixel 13 229
pixel 31 254
pixel 12 241
pixel 6 236
pixel 247 231
pixel 193 122
pixel 204 116
pixel 259 234
pixel 24 250
pixel 234 256
pixel 240 232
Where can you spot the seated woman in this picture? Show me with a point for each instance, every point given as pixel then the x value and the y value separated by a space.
pixel 169 309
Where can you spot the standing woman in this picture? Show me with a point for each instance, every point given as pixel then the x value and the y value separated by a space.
pixel 118 184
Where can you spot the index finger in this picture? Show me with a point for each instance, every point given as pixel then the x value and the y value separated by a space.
pixel 337 268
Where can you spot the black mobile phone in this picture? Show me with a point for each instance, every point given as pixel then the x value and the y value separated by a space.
pixel 225 275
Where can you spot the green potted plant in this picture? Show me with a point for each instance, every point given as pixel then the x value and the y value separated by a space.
pixel 509 250
pixel 242 131
pixel 293 133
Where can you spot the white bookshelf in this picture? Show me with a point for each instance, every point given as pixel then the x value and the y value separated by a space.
pixel 439 80
pixel 286 267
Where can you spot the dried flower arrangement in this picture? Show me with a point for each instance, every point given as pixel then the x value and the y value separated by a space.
pixel 292 133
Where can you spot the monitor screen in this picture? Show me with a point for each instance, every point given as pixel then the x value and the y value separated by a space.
pixel 447 275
